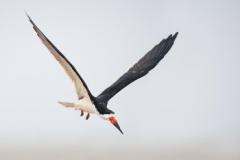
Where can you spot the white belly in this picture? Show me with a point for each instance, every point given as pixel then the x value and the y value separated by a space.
pixel 85 105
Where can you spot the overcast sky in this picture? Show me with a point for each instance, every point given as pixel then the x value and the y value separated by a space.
pixel 192 96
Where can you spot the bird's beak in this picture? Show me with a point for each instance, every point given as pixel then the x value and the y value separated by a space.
pixel 117 126
pixel 115 123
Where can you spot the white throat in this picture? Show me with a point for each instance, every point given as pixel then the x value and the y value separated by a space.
pixel 105 116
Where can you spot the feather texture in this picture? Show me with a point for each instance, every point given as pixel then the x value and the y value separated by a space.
pixel 80 86
pixel 140 69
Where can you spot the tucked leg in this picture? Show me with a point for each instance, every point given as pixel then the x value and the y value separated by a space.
pixel 88 115
pixel 82 113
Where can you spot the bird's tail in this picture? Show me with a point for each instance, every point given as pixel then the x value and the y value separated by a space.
pixel 67 104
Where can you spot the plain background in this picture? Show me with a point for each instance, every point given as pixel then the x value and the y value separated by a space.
pixel 188 107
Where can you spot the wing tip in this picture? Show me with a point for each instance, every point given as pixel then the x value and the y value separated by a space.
pixel 172 37
pixel 168 43
pixel 28 16
pixel 175 36
pixel 31 21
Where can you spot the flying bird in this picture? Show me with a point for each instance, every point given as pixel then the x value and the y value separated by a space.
pixel 98 105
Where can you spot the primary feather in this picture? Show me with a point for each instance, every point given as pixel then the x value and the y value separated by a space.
pixel 80 86
pixel 141 68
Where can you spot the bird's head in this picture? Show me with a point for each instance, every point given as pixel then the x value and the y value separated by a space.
pixel 106 113
pixel 112 119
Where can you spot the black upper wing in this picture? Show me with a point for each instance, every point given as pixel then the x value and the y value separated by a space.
pixel 80 86
pixel 141 68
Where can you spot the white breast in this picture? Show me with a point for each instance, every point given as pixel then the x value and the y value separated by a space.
pixel 85 105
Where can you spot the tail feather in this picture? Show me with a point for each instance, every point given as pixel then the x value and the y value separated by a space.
pixel 67 104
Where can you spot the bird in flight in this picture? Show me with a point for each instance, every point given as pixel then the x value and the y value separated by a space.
pixel 98 105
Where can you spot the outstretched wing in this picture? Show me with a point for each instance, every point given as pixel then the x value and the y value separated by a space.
pixel 141 68
pixel 80 86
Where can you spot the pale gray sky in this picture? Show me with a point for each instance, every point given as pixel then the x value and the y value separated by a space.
pixel 191 97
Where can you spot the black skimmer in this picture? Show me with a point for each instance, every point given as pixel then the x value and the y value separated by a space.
pixel 98 105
